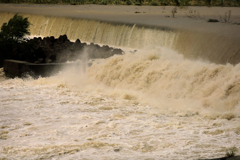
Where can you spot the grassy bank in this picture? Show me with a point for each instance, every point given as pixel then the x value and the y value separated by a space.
pixel 225 3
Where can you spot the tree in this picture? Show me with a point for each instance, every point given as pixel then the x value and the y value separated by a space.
pixel 176 2
pixel 11 38
pixel 238 2
pixel 16 28
pixel 208 2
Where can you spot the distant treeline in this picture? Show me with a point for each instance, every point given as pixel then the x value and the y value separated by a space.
pixel 134 2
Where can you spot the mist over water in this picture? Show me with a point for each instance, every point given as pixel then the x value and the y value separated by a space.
pixel 167 80
pixel 152 103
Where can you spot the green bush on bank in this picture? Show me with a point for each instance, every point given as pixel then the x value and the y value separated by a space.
pixel 132 2
pixel 16 28
pixel 154 3
pixel 12 42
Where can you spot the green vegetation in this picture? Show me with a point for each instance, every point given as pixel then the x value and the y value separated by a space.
pixel 12 39
pixel 16 28
pixel 133 2
pixel 231 152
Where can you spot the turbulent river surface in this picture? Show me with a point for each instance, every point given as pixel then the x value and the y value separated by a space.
pixel 143 105
pixel 176 97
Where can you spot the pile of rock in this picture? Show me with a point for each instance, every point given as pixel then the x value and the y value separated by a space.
pixel 47 56
pixel 60 50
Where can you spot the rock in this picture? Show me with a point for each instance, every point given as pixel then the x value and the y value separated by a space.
pixel 62 39
pixel 51 51
pixel 77 41
pixel 48 60
pixel 117 149
pixel 47 42
pixel 117 51
pixel 52 39
pixel 133 51
pixel 56 50
pixel 53 58
pixel 213 20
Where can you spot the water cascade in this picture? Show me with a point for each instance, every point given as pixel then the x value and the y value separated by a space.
pixel 176 97
pixel 193 45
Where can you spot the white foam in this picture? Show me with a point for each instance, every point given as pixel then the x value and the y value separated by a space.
pixel 137 106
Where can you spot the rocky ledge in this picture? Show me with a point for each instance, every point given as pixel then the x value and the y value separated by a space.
pixel 49 55
pixel 61 50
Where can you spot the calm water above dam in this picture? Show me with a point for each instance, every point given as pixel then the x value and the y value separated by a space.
pixel 168 100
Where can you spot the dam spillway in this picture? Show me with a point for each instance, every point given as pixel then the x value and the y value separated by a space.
pixel 116 34
pixel 216 47
pixel 171 99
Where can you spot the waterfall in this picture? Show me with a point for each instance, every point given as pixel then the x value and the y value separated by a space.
pixel 193 45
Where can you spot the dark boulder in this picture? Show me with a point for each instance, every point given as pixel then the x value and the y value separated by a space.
pixel 77 41
pixel 213 20
pixel 62 39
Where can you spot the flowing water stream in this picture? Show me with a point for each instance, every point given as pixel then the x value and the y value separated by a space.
pixel 151 104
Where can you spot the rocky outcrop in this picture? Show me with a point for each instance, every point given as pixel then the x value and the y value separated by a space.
pixel 47 56
pixel 52 50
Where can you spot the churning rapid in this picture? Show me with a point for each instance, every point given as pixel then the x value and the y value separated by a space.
pixel 151 103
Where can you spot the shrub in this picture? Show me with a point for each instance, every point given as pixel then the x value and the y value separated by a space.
pixel 137 3
pixel 128 2
pixel 116 2
pixel 231 152
pixel 208 2
pixel 103 2
pixel 184 2
pixel 154 3
pixel 11 36
pixel 16 28
pixel 238 2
